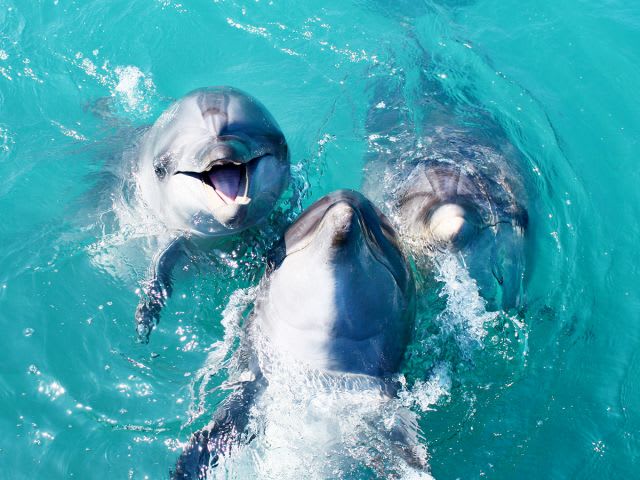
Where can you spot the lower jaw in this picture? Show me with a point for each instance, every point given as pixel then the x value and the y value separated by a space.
pixel 229 215
pixel 233 220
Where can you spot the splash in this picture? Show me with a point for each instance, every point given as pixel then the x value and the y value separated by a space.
pixel 317 424
pixel 124 252
pixel 308 423
pixel 311 424
pixel 128 232
pixel 465 315
pixel 426 393
pixel 133 90
pixel 219 353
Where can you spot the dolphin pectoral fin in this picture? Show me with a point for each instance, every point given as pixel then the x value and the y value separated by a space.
pixel 147 316
pixel 226 431
pixel 388 114
pixel 497 274
pixel 104 108
pixel 414 456
pixel 157 289
pixel 193 462
pixel 404 437
pixel 507 267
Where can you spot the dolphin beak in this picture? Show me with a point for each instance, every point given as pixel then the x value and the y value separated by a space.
pixel 342 222
pixel 452 224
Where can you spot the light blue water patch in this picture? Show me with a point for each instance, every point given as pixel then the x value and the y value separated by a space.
pixel 550 393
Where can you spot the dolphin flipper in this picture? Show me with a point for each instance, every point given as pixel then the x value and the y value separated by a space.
pixel 404 437
pixel 158 288
pixel 226 430
pixel 388 115
pixel 507 266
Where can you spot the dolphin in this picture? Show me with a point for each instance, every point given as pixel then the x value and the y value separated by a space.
pixel 338 299
pixel 452 187
pixel 212 165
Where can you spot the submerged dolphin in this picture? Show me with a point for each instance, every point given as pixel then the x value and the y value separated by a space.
pixel 212 165
pixel 339 300
pixel 450 187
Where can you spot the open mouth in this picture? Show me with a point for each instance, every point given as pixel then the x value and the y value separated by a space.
pixel 230 181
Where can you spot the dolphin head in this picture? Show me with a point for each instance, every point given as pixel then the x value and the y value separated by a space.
pixel 215 162
pixel 441 208
pixel 454 207
pixel 341 296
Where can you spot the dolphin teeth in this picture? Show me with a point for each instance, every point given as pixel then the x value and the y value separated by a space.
pixel 246 183
pixel 222 163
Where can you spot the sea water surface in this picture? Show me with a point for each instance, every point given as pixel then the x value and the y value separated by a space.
pixel 550 392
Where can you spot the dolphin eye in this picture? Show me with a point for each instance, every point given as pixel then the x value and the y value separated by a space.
pixel 160 171
pixel 387 230
pixel 160 165
pixel 391 236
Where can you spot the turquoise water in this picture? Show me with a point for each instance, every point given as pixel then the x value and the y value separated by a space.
pixel 552 393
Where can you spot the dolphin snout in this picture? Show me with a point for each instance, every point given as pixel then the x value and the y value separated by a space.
pixel 341 220
pixel 451 223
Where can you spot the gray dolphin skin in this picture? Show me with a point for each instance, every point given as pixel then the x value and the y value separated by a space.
pixel 339 298
pixel 213 164
pixel 342 258
pixel 453 187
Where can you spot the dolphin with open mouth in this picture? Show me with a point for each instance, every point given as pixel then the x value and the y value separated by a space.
pixel 213 164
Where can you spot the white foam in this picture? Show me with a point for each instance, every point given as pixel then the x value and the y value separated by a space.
pixel 133 88
pixel 313 425
pixel 465 315
pixel 219 353
pixel 426 393
pixel 316 424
